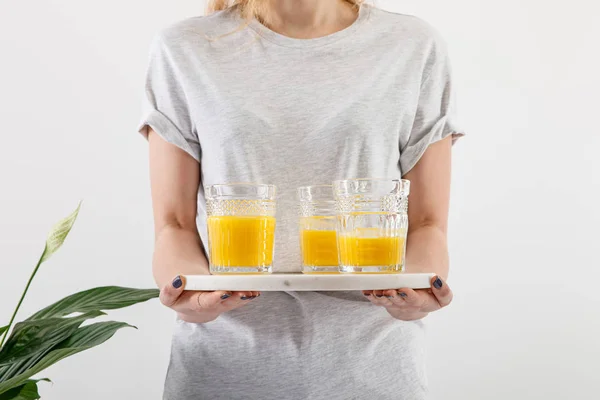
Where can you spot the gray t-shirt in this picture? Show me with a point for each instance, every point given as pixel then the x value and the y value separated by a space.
pixel 251 105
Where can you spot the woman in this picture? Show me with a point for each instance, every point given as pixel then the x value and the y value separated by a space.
pixel 293 93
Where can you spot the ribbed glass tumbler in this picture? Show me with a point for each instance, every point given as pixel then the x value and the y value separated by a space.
pixel 318 238
pixel 372 224
pixel 241 228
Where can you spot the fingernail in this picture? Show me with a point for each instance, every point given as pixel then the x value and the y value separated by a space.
pixel 225 296
pixel 402 294
pixel 379 296
pixel 437 283
pixel 177 282
pixel 245 298
pixel 390 297
pixel 367 294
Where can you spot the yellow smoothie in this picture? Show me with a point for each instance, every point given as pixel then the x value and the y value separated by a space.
pixel 241 241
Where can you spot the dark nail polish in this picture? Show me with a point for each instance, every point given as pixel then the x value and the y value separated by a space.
pixel 225 296
pixel 437 283
pixel 402 294
pixel 379 296
pixel 177 282
pixel 245 298
pixel 367 294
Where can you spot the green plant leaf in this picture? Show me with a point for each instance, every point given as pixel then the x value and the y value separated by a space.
pixel 8 371
pixel 101 298
pixel 51 358
pixel 94 334
pixel 58 234
pixel 35 337
pixel 27 391
pixel 85 338
pixel 3 329
pixel 55 239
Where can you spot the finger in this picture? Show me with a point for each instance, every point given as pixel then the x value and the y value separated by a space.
pixel 208 301
pixel 371 297
pixel 394 296
pixel 238 299
pixel 441 291
pixel 378 298
pixel 367 293
pixel 400 297
pixel 246 295
pixel 225 294
pixel 385 302
pixel 171 292
pixel 412 298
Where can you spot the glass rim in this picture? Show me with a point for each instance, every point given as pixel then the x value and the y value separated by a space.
pixel 242 184
pixel 324 186
pixel 316 193
pixel 240 191
pixel 371 187
pixel 371 179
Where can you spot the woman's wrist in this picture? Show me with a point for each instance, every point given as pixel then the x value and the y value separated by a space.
pixel 178 252
pixel 427 251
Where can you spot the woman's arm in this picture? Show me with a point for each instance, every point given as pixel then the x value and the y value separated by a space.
pixel 426 249
pixel 175 179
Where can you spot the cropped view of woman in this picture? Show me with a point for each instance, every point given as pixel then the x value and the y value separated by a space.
pixel 295 93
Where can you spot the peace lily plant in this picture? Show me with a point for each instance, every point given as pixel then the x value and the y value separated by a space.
pixel 58 331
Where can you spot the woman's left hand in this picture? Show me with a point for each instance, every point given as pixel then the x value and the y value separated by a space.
pixel 410 305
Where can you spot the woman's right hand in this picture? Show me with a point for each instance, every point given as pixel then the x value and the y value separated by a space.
pixel 200 307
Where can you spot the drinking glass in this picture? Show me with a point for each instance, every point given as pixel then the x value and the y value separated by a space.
pixel 318 238
pixel 241 227
pixel 372 223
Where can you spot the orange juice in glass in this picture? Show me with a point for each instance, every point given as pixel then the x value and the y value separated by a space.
pixel 372 223
pixel 318 237
pixel 241 228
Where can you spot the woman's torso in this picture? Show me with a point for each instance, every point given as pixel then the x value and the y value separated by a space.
pixel 288 112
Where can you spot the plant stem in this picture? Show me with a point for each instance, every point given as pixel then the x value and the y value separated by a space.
pixel 12 319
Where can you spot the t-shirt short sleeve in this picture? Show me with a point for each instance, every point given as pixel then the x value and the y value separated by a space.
pixel 166 110
pixel 435 115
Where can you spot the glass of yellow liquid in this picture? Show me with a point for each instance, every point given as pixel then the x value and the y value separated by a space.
pixel 318 238
pixel 372 223
pixel 241 228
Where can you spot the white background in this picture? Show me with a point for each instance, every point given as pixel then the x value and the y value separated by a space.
pixel 524 238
